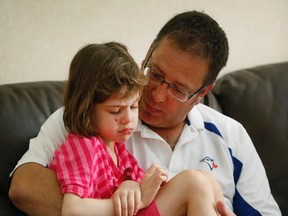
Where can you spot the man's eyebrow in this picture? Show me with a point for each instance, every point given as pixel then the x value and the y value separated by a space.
pixel 158 69
pixel 162 73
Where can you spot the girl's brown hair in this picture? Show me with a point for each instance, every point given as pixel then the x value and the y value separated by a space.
pixel 97 72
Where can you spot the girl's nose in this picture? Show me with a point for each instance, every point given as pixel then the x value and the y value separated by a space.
pixel 126 118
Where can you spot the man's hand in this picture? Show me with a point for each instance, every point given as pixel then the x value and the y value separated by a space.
pixel 127 198
pixel 223 210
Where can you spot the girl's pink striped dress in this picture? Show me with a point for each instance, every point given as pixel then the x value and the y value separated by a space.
pixel 84 167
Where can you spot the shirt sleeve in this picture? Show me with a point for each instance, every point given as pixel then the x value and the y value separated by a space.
pixel 73 164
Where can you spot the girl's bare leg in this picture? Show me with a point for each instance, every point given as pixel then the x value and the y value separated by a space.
pixel 191 192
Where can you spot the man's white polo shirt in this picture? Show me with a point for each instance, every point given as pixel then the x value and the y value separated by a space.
pixel 210 141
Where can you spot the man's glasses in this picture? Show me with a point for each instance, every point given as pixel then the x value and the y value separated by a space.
pixel 172 89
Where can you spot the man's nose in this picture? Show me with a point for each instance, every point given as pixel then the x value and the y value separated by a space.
pixel 159 93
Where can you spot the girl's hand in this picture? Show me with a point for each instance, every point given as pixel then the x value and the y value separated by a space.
pixel 151 182
pixel 127 198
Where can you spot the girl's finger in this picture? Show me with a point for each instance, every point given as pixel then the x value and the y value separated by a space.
pixel 124 207
pixel 137 200
pixel 130 203
pixel 117 205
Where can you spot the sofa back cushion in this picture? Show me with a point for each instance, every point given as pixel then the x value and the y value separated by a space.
pixel 258 98
pixel 23 109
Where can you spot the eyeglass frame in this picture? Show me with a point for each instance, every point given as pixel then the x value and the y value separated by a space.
pixel 189 96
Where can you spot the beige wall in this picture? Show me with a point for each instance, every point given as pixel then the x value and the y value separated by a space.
pixel 39 37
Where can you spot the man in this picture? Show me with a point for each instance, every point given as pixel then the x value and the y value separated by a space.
pixel 175 130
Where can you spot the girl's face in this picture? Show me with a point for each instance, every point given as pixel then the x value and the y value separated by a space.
pixel 116 118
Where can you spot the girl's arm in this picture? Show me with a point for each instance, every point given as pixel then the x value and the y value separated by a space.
pixel 75 205
pixel 125 201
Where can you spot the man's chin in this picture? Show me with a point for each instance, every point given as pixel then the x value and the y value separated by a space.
pixel 146 117
pixel 150 120
pixel 149 115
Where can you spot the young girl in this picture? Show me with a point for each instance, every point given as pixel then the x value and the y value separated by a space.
pixel 98 176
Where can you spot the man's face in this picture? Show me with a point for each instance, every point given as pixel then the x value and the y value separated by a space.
pixel 157 107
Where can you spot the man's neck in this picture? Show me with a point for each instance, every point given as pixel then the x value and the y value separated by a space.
pixel 169 134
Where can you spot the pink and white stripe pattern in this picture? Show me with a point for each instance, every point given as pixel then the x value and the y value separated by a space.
pixel 84 167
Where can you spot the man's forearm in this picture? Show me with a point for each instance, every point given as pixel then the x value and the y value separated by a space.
pixel 35 190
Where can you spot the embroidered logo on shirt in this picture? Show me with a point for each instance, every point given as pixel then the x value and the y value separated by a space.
pixel 210 162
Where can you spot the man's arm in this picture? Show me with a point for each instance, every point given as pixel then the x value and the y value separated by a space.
pixel 35 190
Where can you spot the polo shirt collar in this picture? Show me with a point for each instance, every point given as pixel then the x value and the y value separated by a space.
pixel 194 123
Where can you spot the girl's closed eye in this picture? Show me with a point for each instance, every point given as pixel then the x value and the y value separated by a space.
pixel 114 110
pixel 134 106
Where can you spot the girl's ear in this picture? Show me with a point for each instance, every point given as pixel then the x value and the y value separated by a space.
pixel 204 92
pixel 147 54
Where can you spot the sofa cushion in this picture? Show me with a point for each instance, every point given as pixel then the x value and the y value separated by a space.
pixel 258 98
pixel 23 109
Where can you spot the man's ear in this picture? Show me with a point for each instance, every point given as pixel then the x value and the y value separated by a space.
pixel 147 54
pixel 204 92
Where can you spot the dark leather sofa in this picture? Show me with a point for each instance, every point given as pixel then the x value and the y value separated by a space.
pixel 257 97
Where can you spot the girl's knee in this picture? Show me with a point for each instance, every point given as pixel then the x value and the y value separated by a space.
pixel 196 181
pixel 204 183
pixel 193 176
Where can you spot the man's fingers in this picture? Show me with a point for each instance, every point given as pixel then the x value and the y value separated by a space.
pixel 223 210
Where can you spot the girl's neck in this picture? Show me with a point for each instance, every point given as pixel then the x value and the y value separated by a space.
pixel 111 150
pixel 112 153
